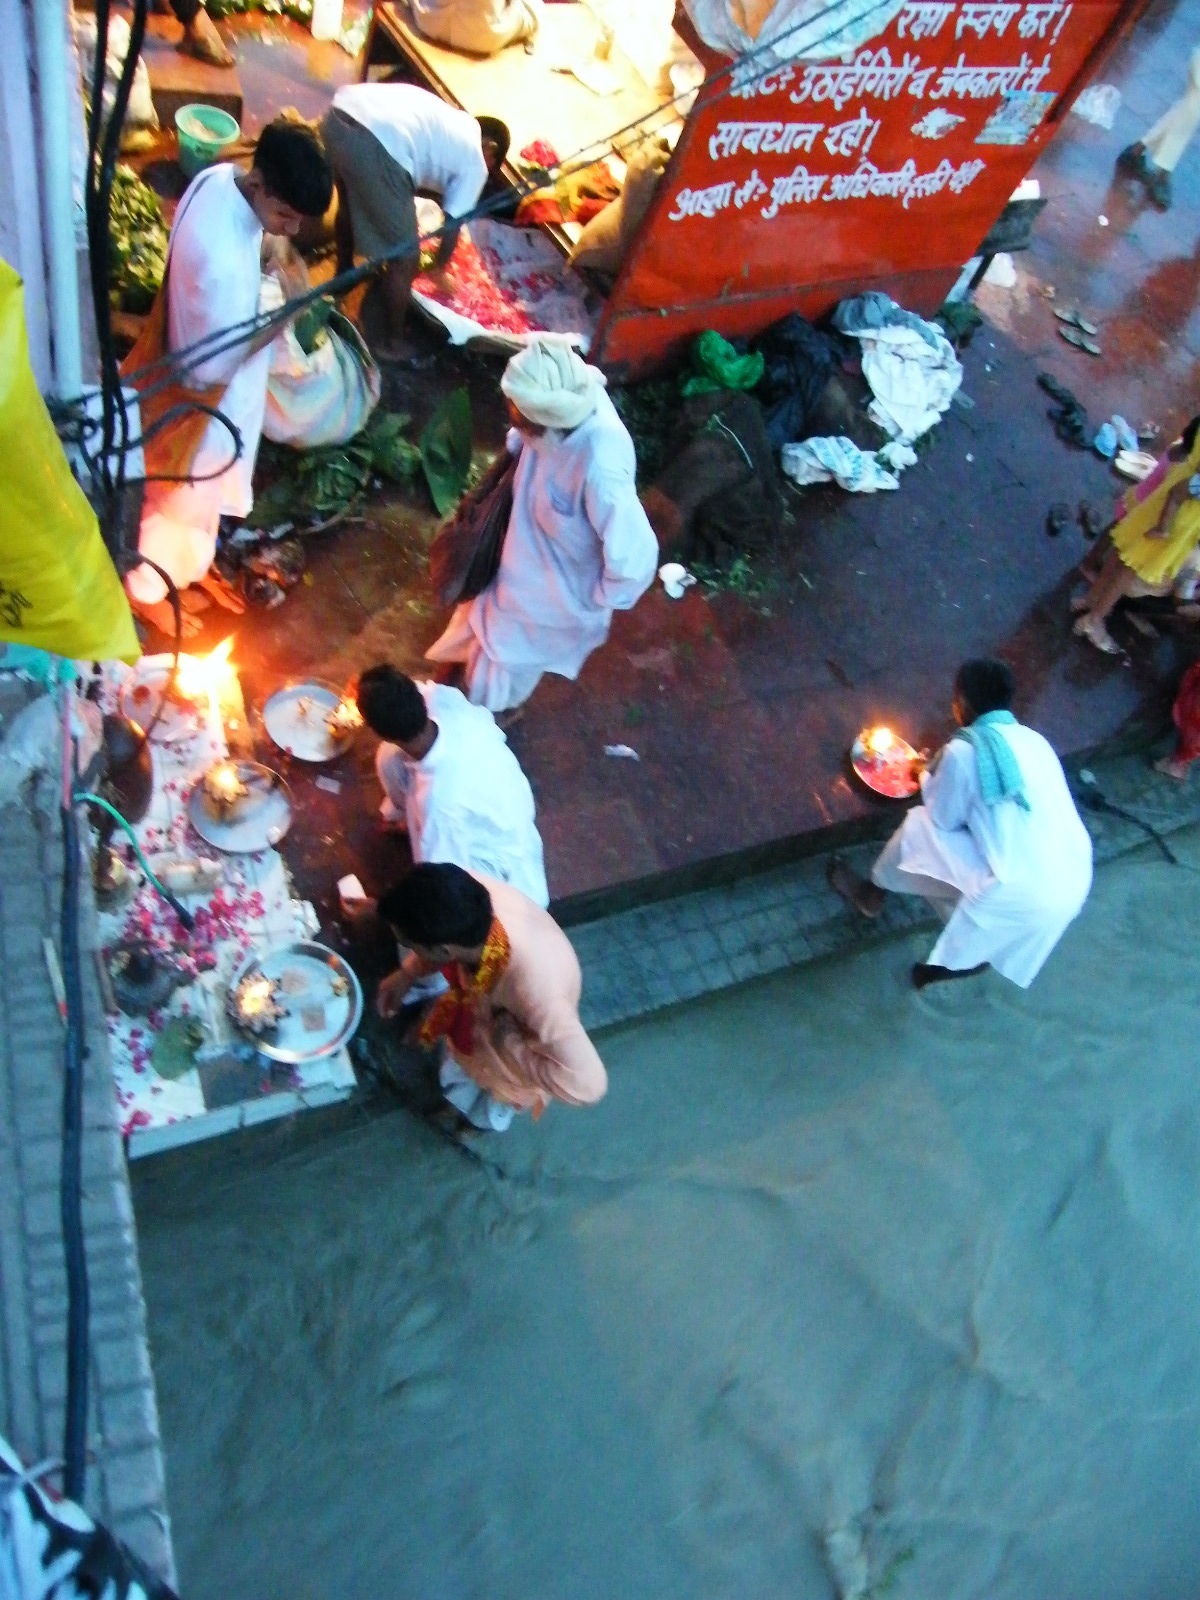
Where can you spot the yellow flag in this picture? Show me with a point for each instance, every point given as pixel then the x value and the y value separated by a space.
pixel 58 587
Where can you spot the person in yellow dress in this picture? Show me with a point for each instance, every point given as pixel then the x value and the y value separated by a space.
pixel 1157 533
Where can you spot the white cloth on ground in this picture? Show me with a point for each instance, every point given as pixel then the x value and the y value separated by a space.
pixel 480 27
pixel 908 362
pixel 1016 878
pixel 467 802
pixel 835 460
pixel 578 548
pixel 439 146
pixel 213 285
pixel 1173 132
pixel 550 383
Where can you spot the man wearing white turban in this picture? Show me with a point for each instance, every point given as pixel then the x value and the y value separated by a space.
pixel 578 545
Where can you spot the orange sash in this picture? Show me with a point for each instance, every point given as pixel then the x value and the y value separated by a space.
pixel 172 450
pixel 452 1015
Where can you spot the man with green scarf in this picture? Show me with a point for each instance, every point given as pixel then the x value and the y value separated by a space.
pixel 997 846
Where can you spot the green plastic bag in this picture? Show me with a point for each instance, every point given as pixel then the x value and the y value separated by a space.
pixel 717 365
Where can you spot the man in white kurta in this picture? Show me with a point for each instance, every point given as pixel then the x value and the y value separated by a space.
pixel 213 284
pixel 1154 157
pixel 449 777
pixel 578 547
pixel 1007 874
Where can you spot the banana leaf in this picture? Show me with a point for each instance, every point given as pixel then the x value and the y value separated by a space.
pixel 446 450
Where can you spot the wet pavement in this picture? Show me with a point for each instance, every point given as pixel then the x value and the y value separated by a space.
pixel 741 705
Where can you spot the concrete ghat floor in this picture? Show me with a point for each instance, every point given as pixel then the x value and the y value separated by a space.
pixel 741 719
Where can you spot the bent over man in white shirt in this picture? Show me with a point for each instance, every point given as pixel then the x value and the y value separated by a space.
pixel 386 143
pixel 449 777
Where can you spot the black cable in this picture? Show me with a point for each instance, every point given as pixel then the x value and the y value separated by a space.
pixel 71 1172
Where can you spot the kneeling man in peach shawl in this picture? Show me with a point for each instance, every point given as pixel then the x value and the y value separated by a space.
pixel 509 1022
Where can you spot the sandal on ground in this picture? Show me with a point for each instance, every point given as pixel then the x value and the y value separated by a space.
pixel 1080 605
pixel 846 884
pixel 1133 162
pixel 1072 318
pixel 1081 341
pixel 1090 628
pixel 1057 518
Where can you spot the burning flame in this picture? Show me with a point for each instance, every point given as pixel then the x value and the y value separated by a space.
pixel 223 781
pixel 880 740
pixel 255 996
pixel 201 677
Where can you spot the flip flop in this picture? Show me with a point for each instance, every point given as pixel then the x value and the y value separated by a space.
pixel 1135 464
pixel 1057 391
pixel 1058 518
pixel 1074 320
pixel 1082 341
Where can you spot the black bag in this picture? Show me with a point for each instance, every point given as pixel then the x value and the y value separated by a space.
pixel 465 555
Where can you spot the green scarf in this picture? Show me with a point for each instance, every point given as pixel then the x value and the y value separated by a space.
pixel 999 773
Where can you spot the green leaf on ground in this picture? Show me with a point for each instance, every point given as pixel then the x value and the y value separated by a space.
pixel 175 1047
pixel 446 450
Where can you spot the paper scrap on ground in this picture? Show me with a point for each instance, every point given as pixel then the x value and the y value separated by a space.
pixel 623 752
pixel 1098 104
pixel 836 460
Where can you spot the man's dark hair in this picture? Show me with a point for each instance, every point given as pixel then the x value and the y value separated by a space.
pixel 391 704
pixel 292 161
pixel 438 904
pixel 491 128
pixel 1189 435
pixel 985 685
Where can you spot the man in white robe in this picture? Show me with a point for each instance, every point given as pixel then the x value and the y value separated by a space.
pixel 479 27
pixel 213 283
pixel 578 547
pixel 449 777
pixel 997 846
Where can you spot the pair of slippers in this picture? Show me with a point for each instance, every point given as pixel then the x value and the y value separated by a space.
pixel 1078 331
pixel 1092 523
pixel 1069 417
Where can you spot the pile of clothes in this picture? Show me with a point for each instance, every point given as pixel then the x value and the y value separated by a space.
pixel 843 405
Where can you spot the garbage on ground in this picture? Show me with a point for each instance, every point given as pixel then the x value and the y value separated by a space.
pixel 909 363
pixel 623 752
pixel 1057 518
pixel 1001 274
pixel 835 460
pixel 675 579
pixel 1098 104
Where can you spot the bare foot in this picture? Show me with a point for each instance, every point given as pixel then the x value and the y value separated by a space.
pixel 201 39
pixel 1174 767
pixel 223 593
pixel 866 898
pixel 161 615
pixel 923 974
pixel 1094 631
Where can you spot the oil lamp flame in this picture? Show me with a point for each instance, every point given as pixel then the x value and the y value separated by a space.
pixel 880 740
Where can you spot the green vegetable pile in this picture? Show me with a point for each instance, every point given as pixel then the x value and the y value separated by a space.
pixel 138 239
pixel 298 10
pixel 315 485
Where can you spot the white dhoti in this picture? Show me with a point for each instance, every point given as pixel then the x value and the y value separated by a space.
pixel 488 682
pixel 1173 132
